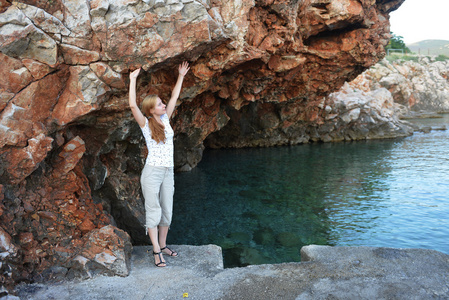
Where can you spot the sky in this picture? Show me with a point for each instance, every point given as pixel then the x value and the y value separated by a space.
pixel 418 20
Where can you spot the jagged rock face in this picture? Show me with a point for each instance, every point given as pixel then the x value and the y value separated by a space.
pixel 421 85
pixel 355 113
pixel 70 152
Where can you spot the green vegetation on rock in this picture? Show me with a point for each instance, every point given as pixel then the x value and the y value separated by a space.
pixel 397 43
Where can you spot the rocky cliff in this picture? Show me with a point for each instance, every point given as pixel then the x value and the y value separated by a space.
pixel 415 85
pixel 371 105
pixel 70 151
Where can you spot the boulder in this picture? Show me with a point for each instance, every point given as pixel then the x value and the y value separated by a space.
pixel 354 114
pixel 106 250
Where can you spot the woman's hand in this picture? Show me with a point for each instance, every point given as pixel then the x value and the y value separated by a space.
pixel 140 118
pixel 183 68
pixel 134 74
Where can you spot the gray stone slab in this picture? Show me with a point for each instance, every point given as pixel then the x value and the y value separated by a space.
pixel 325 273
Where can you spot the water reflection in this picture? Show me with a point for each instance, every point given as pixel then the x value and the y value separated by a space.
pixel 263 205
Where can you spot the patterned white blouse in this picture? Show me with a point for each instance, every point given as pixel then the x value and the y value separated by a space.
pixel 159 154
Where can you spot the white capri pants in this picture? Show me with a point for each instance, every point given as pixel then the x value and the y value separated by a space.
pixel 158 187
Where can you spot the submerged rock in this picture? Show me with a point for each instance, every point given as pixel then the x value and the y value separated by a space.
pixel 288 239
pixel 264 236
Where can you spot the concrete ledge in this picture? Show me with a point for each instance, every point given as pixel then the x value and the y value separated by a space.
pixel 325 273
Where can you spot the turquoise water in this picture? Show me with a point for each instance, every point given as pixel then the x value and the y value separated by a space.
pixel 263 205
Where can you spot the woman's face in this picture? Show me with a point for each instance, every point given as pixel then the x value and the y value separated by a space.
pixel 159 109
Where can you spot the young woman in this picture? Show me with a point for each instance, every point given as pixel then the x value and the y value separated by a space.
pixel 157 178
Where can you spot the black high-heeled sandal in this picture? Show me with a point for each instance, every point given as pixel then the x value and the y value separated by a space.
pixel 172 253
pixel 160 260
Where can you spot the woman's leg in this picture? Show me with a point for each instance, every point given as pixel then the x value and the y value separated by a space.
pixel 158 260
pixel 150 180
pixel 167 191
pixel 163 231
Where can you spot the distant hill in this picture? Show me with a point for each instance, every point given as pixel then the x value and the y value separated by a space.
pixel 430 47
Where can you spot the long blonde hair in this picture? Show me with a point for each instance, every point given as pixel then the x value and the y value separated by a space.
pixel 157 129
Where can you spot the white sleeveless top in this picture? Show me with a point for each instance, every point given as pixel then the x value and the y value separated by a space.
pixel 159 154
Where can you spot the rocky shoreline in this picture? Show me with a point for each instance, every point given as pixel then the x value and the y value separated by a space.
pixel 324 273
pixel 379 100
pixel 262 73
pixel 418 87
pixel 70 150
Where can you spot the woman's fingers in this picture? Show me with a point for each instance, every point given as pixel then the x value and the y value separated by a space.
pixel 134 73
pixel 184 68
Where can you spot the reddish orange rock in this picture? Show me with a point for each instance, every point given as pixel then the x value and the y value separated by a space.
pixel 86 226
pixel 48 215
pixel 108 75
pixel 26 238
pixel 22 162
pixel 148 20
pixel 77 56
pixel 38 70
pixel 80 96
pixel 13 74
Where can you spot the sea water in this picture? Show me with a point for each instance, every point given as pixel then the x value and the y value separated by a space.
pixel 261 205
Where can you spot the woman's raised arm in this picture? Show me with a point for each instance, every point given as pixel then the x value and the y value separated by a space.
pixel 183 69
pixel 140 118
